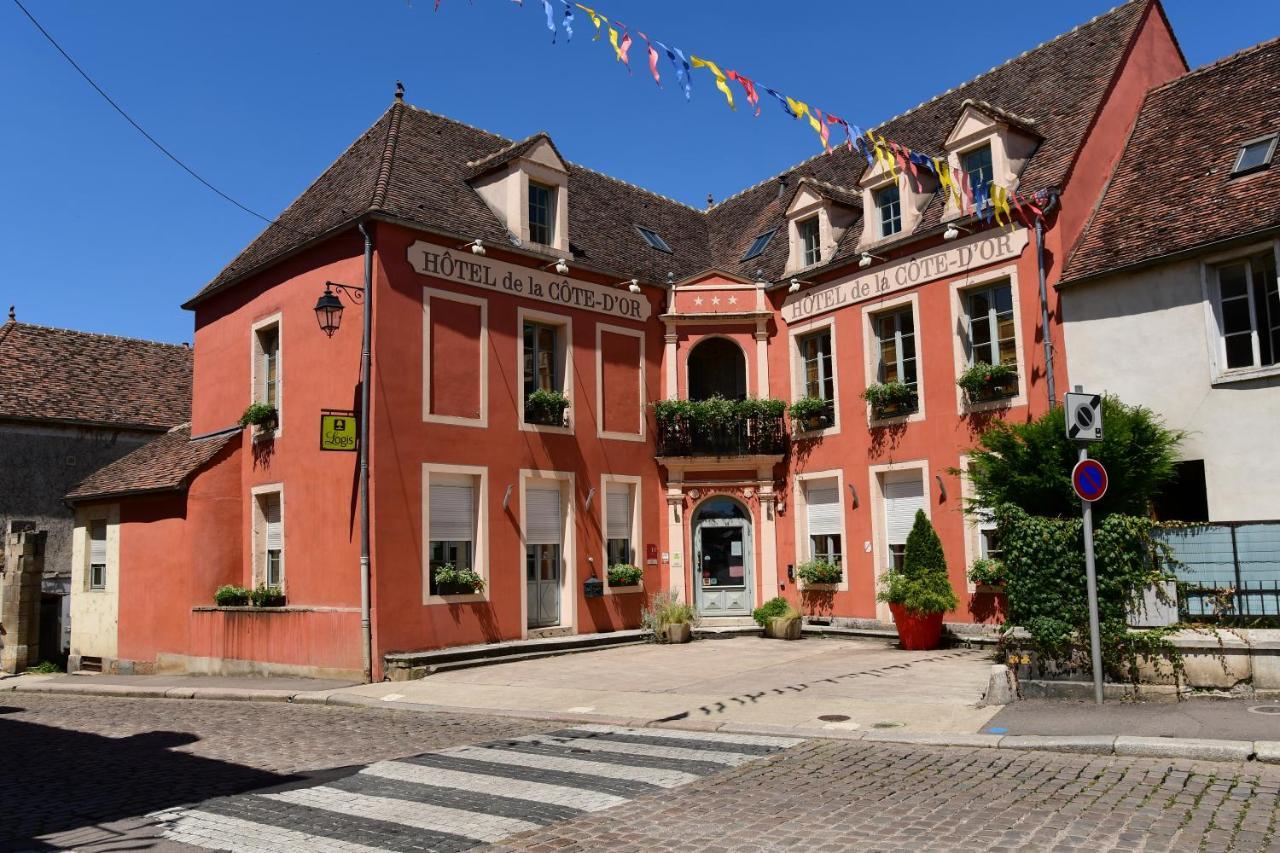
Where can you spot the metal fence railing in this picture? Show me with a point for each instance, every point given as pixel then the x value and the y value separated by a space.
pixel 1226 569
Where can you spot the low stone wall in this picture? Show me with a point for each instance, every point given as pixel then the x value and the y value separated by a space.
pixel 1242 661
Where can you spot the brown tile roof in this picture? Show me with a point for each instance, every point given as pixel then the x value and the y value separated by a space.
pixel 78 377
pixel 414 166
pixel 1172 190
pixel 166 463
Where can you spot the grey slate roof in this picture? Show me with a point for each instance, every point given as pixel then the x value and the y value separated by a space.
pixel 414 165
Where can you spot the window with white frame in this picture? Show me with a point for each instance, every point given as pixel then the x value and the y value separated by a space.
pixel 270 538
pixel 542 213
pixel 819 368
pixel 989 310
pixel 902 499
pixel 619 519
pixel 977 166
pixel 98 554
pixel 266 368
pixel 989 540
pixel 889 210
pixel 452 517
pixel 544 354
pixel 822 500
pixel 1248 311
pixel 810 241
pixel 896 344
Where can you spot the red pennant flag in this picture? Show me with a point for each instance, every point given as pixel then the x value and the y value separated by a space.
pixel 748 86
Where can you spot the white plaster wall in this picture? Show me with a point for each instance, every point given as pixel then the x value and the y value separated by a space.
pixel 95 613
pixel 1145 338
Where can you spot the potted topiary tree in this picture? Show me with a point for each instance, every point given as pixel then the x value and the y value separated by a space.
pixel 920 592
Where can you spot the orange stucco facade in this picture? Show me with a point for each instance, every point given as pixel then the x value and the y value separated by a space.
pixel 447 401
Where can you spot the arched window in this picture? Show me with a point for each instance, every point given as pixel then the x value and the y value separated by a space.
pixel 717 367
pixel 722 508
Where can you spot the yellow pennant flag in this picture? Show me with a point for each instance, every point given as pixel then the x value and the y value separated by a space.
pixel 884 155
pixel 613 40
pixel 595 19
pixel 1000 201
pixel 800 108
pixel 720 81
pixel 944 179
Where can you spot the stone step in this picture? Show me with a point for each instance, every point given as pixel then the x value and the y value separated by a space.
pixel 406 666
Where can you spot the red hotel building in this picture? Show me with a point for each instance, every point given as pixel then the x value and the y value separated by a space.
pixel 816 282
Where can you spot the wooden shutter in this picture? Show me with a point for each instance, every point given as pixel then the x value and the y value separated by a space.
pixel 453 512
pixel 542 515
pixel 618 507
pixel 274 523
pixel 824 509
pixel 97 543
pixel 901 500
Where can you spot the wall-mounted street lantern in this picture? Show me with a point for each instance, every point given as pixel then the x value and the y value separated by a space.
pixel 329 305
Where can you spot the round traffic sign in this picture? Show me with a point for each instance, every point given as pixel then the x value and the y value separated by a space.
pixel 1089 479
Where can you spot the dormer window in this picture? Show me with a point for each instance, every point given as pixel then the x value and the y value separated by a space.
pixel 758 246
pixel 1254 156
pixel 654 239
pixel 889 210
pixel 542 214
pixel 977 165
pixel 810 241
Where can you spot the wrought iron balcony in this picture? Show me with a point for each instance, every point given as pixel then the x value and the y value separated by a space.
pixel 739 435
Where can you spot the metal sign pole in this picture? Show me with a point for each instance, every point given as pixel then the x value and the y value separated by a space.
pixel 1091 582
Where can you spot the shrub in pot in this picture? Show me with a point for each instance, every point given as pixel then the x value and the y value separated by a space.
pixel 779 618
pixel 624 574
pixel 668 618
pixel 890 399
pixel 267 596
pixel 920 592
pixel 819 571
pixel 229 595
pixel 545 407
pixel 811 413
pixel 262 416
pixel 987 573
pixel 454 581
pixel 982 382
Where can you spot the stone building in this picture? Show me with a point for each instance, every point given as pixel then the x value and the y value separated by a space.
pixel 70 403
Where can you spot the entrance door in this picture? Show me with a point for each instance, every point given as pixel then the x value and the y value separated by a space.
pixel 723 559
pixel 542 574
pixel 543 536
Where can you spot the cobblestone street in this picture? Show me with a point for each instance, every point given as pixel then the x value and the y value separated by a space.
pixel 83 773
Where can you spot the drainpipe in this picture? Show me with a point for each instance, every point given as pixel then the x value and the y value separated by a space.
pixel 1044 299
pixel 366 629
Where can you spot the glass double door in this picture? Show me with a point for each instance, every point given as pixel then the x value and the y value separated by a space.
pixel 723 579
pixel 542 582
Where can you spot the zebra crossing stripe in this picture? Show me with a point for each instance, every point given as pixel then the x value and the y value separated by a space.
pixel 600 744
pixel 539 792
pixel 477 825
pixel 221 832
pixel 682 734
pixel 652 776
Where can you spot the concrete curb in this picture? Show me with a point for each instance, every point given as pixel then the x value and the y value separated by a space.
pixel 1195 749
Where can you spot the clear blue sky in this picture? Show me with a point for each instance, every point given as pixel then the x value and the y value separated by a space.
pixel 102 233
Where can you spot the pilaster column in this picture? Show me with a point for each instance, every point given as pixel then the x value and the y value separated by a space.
pixel 676 568
pixel 669 368
pixel 762 359
pixel 768 539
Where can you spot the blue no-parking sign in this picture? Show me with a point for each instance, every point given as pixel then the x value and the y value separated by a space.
pixel 1089 479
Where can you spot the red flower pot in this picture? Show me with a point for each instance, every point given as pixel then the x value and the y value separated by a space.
pixel 917 632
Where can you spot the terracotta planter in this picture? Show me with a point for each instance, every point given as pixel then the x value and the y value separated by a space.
pixel 782 628
pixel 677 632
pixel 917 632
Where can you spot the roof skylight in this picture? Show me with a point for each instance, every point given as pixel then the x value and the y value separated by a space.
pixel 1255 155
pixel 759 245
pixel 654 239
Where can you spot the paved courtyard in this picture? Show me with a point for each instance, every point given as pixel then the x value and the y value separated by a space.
pixel 87 772
pixel 745 680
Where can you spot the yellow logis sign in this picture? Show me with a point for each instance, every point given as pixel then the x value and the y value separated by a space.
pixel 339 431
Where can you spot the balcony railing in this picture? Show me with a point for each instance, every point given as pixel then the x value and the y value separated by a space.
pixel 756 435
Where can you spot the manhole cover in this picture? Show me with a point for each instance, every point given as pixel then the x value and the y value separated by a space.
pixel 884 724
pixel 833 718
pixel 1265 709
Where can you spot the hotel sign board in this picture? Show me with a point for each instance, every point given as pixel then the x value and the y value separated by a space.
pixel 339 430
pixel 477 271
pixel 955 259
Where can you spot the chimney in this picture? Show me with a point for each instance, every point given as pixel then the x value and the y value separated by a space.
pixel 399 91
pixel 711 202
pixel 782 187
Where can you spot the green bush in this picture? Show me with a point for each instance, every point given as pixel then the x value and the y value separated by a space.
pixel 267 596
pixel 819 571
pixel 882 395
pixel 45 667
pixel 547 400
pixel 1046 586
pixel 624 574
pixel 448 575
pixel 229 595
pixel 260 415
pixel 808 408
pixel 922 584
pixel 1029 464
pixel 665 608
pixel 987 572
pixel 775 608
pixel 979 377
pixel 717 411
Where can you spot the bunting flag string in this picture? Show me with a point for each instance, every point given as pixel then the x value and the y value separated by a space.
pixel 986 199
